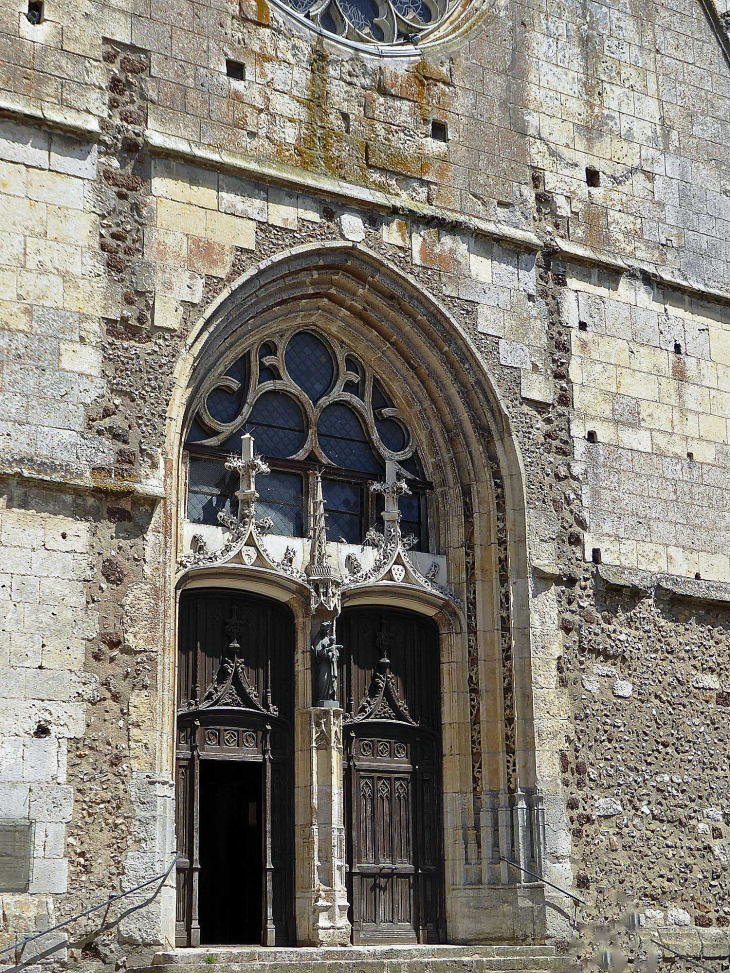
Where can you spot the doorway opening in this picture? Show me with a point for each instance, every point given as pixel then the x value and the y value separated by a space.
pixel 231 853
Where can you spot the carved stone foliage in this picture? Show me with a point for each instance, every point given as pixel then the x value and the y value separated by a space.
pixel 244 542
pixel 505 633
pixel 393 562
pixel 326 731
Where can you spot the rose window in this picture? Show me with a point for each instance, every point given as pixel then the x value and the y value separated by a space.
pixel 374 22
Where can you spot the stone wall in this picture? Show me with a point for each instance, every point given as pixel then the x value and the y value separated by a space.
pixel 139 182
pixel 531 99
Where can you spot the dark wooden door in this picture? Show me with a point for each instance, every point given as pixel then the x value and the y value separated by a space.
pixel 234 737
pixel 391 695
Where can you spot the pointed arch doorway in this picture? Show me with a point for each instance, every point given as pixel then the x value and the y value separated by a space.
pixel 234 774
pixel 391 697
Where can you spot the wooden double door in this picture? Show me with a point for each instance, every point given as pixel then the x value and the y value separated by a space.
pixel 234 773
pixel 235 746
pixel 391 696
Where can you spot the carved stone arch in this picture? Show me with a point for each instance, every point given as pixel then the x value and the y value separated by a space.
pixel 420 349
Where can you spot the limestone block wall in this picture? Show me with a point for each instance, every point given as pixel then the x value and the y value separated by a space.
pixel 52 294
pixel 651 387
pixel 138 182
pixel 638 93
pixel 46 625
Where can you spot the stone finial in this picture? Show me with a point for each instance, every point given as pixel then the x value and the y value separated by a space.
pixel 324 580
pixel 248 466
pixel 393 489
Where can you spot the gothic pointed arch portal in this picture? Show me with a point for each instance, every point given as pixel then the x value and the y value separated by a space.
pixel 439 430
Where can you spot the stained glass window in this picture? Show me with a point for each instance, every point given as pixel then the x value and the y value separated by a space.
pixel 364 22
pixel 344 441
pixel 281 497
pixel 211 489
pixel 310 364
pixel 276 424
pixel 324 409
pixel 343 505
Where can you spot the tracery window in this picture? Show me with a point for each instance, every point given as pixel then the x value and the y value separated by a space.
pixel 311 405
pixel 374 23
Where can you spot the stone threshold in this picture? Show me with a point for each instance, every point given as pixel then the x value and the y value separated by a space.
pixel 393 958
pixel 392 950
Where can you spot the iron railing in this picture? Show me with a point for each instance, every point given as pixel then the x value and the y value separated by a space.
pixel 20 945
pixel 544 881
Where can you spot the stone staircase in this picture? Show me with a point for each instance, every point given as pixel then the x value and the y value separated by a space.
pixel 359 959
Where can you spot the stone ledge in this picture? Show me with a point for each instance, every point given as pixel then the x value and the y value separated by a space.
pixel 299 180
pixel 551 571
pixel 669 585
pixel 579 253
pixel 66 120
pixel 87 484
pixel 695 942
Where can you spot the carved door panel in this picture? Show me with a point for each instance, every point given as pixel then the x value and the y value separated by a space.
pixel 234 737
pixel 393 778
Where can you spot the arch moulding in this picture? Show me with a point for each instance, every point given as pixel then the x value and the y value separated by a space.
pixel 490 791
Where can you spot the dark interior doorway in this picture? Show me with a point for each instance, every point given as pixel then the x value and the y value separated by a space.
pixel 231 859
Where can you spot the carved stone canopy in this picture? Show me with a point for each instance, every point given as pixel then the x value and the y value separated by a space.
pixel 393 562
pixel 245 544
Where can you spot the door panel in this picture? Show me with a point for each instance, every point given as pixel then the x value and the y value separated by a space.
pixel 392 776
pixel 234 737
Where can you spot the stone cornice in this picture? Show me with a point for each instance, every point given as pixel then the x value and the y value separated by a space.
pixel 84 125
pixel 299 180
pixel 320 184
pixel 67 120
pixel 578 253
pixel 146 490
pixel 667 585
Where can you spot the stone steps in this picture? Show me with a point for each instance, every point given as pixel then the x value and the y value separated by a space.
pixel 360 959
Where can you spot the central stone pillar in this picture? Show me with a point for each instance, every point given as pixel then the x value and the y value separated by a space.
pixel 322 904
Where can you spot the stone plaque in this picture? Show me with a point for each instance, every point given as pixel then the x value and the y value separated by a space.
pixel 16 855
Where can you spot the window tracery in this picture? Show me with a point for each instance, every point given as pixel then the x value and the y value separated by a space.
pixel 373 22
pixel 311 404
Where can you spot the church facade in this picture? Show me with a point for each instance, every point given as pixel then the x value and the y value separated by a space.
pixel 365 470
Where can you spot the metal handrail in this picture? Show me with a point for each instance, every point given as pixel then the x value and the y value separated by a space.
pixel 701 966
pixel 576 898
pixel 21 944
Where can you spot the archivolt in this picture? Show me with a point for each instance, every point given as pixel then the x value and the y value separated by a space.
pixel 421 351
